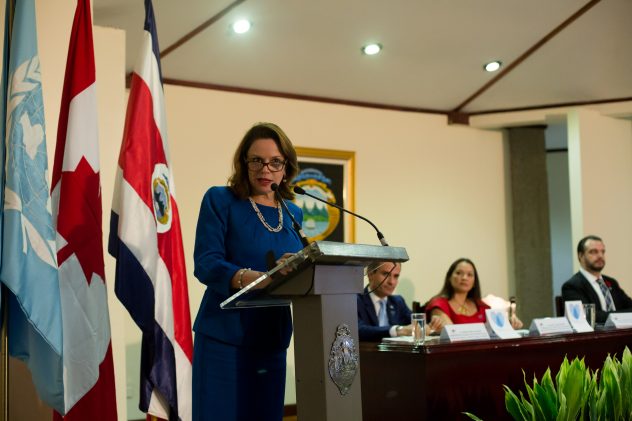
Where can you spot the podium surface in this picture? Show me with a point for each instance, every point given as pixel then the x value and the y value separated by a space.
pixel 322 287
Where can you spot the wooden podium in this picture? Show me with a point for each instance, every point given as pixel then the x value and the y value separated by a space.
pixel 322 288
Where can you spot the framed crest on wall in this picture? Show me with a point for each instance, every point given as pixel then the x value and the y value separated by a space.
pixel 328 174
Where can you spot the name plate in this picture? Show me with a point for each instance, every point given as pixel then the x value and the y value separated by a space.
pixel 465 332
pixel 498 324
pixel 576 315
pixel 550 326
pixel 619 320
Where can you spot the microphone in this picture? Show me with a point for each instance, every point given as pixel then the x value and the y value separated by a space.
pixel 380 236
pixel 295 225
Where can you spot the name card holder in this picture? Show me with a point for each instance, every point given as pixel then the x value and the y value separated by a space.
pixel 576 316
pixel 464 332
pixel 550 326
pixel 619 320
pixel 498 325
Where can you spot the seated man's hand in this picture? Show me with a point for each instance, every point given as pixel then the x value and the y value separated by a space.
pixel 404 330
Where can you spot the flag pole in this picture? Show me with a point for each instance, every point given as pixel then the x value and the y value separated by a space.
pixel 4 416
pixel 4 328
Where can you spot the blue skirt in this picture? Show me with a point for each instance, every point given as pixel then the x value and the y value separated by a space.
pixel 233 383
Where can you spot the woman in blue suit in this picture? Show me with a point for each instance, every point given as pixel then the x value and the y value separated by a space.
pixel 239 357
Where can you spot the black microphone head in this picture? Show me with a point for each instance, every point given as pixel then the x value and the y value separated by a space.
pixel 274 186
pixel 298 190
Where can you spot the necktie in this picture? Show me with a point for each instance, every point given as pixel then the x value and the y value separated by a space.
pixel 606 294
pixel 382 318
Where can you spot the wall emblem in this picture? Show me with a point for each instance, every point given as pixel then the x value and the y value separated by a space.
pixel 319 220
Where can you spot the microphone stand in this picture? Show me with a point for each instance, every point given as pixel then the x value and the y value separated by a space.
pixel 295 225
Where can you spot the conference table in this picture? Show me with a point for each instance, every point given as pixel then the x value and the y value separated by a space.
pixel 439 381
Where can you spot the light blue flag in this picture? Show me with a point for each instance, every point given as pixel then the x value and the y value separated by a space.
pixel 28 267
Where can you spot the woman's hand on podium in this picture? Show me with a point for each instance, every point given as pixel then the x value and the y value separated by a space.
pixel 281 260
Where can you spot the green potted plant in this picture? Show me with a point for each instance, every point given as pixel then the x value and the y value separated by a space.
pixel 577 393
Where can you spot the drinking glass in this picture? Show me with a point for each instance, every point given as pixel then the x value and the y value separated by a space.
pixel 418 322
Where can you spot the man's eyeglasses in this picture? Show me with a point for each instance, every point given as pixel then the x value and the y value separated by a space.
pixel 257 164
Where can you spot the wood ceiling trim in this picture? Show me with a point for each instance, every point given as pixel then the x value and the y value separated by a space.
pixel 200 28
pixel 548 106
pixel 312 98
pixel 527 53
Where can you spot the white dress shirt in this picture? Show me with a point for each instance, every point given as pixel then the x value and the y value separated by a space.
pixel 376 304
pixel 592 279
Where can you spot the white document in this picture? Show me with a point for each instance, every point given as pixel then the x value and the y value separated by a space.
pixel 574 312
pixel 550 326
pixel 465 332
pixel 498 324
pixel 619 320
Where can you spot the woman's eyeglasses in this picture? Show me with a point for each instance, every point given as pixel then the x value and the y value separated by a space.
pixel 257 164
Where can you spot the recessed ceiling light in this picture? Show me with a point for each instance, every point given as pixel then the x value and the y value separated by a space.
pixel 371 49
pixel 493 66
pixel 241 26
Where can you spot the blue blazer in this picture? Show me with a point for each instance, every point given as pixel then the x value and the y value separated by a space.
pixel 368 329
pixel 579 288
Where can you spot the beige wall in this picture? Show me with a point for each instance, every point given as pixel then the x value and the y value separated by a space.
pixel 600 172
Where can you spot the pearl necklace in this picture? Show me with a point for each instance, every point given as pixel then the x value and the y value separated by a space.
pixel 262 219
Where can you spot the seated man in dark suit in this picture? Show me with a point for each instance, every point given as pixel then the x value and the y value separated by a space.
pixel 380 313
pixel 590 286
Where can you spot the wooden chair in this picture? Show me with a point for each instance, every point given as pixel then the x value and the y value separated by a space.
pixel 417 307
pixel 559 306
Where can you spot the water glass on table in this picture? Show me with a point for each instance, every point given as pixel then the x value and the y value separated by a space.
pixel 418 322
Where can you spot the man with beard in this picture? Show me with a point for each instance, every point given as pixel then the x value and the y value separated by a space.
pixel 590 286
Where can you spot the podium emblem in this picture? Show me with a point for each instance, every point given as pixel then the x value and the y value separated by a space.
pixel 343 359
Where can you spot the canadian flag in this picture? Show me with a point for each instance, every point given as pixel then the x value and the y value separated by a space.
pixel 88 373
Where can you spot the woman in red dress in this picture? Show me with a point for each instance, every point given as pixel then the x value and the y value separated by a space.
pixel 460 298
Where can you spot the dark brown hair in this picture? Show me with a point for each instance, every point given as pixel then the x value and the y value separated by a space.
pixel 448 291
pixel 238 181
pixel 581 246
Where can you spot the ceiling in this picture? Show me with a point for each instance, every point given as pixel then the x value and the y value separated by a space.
pixel 554 52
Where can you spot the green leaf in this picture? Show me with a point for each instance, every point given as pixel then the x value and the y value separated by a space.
pixel 516 408
pixel 589 393
pixel 611 389
pixel 547 404
pixel 562 414
pixel 547 383
pixel 625 377
pixel 573 387
pixel 472 416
